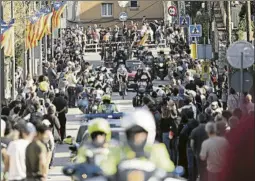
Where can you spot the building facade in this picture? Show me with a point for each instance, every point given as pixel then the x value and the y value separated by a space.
pixel 106 13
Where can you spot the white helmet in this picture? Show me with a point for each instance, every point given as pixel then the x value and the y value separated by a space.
pixel 142 118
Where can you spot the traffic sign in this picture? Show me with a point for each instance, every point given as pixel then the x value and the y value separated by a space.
pixel 123 16
pixel 247 81
pixel 195 30
pixel 172 10
pixel 204 51
pixel 235 51
pixel 184 21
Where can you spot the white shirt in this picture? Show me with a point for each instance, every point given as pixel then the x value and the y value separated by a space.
pixel 17 155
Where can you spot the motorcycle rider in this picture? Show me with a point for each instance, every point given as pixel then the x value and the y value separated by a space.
pixel 141 73
pixel 93 151
pixel 139 144
pixel 107 106
pixel 122 74
pixel 120 55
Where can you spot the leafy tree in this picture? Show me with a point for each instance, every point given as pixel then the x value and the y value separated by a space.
pixel 20 16
pixel 242 23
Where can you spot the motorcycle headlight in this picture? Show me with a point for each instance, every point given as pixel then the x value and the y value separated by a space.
pixel 161 64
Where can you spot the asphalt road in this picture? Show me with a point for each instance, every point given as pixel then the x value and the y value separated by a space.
pixel 73 123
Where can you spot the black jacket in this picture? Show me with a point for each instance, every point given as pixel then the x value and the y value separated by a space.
pixel 187 129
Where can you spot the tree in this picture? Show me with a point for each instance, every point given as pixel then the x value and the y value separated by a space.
pixel 20 16
pixel 242 23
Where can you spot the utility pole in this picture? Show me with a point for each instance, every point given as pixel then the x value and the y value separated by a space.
pixel 248 20
pixel 2 91
pixel 33 49
pixel 25 64
pixel 39 72
pixel 229 35
pixel 52 34
pixel 45 42
pixel 13 56
pixel 29 67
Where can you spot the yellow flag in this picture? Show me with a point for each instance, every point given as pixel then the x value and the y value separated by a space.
pixel 144 39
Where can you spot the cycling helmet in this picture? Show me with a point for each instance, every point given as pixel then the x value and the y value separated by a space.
pixel 136 118
pixel 100 125
pixel 106 98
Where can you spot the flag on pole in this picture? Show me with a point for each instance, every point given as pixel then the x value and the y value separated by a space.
pixel 9 45
pixel 42 20
pixel 58 9
pixel 33 30
pixel 7 38
pixel 27 32
pixel 47 23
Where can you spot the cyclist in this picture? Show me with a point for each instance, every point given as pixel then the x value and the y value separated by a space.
pixel 122 75
pixel 140 138
pixel 107 106
pixel 93 151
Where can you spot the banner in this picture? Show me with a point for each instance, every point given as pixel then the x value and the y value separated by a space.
pixel 144 39
pixel 58 9
pixel 47 23
pixel 7 37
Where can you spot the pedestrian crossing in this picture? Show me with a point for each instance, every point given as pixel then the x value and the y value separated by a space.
pixel 73 123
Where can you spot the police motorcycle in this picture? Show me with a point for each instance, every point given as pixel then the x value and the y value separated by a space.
pixel 161 65
pixel 142 90
pixel 112 118
pixel 129 170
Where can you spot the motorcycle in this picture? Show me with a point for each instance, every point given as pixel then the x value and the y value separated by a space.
pixel 148 61
pixel 141 91
pixel 128 170
pixel 161 66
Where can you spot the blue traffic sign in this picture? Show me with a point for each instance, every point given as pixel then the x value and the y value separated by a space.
pixel 195 30
pixel 184 21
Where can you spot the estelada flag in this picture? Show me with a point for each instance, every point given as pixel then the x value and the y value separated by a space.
pixel 58 9
pixel 47 23
pixel 40 25
pixel 33 29
pixel 27 38
pixel 58 15
pixel 45 12
pixel 9 46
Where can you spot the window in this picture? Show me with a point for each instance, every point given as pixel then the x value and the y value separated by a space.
pixel 106 10
pixel 133 4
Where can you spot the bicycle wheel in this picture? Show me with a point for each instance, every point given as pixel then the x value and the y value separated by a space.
pixel 123 90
